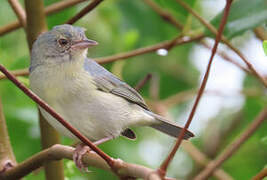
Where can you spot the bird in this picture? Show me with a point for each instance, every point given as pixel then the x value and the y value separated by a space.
pixel 89 97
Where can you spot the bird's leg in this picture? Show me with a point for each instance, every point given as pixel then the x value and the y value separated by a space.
pixel 82 149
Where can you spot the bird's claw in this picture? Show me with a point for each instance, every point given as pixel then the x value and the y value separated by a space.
pixel 79 151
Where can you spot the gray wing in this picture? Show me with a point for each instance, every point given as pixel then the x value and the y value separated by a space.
pixel 107 82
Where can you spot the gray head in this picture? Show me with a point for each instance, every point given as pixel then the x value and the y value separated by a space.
pixel 64 43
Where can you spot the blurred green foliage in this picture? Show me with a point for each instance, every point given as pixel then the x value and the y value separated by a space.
pixel 123 25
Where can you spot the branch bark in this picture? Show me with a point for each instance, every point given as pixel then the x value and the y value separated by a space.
pixel 233 147
pixel 58 152
pixel 261 175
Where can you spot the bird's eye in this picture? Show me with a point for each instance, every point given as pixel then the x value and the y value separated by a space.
pixel 63 42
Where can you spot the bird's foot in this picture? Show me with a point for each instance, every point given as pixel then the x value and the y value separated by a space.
pixel 79 151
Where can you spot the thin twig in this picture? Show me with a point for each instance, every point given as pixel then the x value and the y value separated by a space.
pixel 162 169
pixel 224 40
pixel 164 14
pixel 19 11
pixel 261 175
pixel 233 147
pixel 45 106
pixel 141 83
pixel 20 72
pixel 84 11
pixel 56 7
pixel 58 152
pixel 147 49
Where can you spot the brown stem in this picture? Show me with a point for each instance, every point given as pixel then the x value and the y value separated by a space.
pixel 84 11
pixel 19 11
pixel 7 158
pixel 166 162
pixel 261 175
pixel 20 72
pixel 58 152
pixel 54 170
pixel 164 14
pixel 56 7
pixel 233 147
pixel 141 83
pixel 224 40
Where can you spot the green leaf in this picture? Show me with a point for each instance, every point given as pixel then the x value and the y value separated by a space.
pixel 244 15
pixel 264 44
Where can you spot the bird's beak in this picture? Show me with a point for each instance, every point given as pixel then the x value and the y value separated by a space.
pixel 83 44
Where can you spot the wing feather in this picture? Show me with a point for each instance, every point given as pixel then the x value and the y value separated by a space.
pixel 107 82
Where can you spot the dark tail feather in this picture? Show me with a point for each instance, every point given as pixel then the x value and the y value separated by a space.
pixel 169 127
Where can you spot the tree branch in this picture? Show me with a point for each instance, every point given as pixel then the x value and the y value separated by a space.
pixel 142 82
pixel 56 7
pixel 84 11
pixel 162 169
pixel 261 175
pixel 233 147
pixel 58 152
pixel 7 158
pixel 19 11
pixel 20 72
pixel 147 49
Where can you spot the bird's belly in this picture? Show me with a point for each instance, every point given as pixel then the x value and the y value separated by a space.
pixel 96 114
